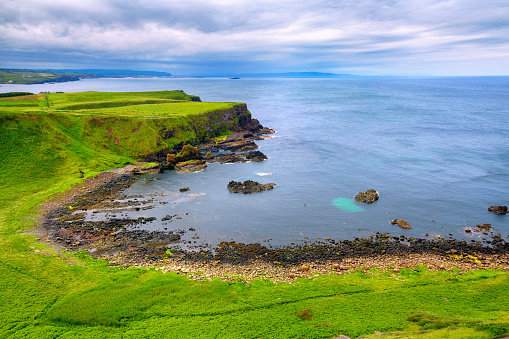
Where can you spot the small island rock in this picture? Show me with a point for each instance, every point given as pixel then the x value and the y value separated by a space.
pixel 401 223
pixel 367 197
pixel 498 209
pixel 249 186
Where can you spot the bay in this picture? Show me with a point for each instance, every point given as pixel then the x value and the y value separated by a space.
pixel 436 150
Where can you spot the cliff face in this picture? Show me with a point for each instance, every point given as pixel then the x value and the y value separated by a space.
pixel 152 138
pixel 233 119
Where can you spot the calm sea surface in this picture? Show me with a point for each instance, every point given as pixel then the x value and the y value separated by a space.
pixel 436 150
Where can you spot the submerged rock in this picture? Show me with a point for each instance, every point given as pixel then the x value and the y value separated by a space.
pixel 401 223
pixel 249 186
pixel 498 209
pixel 483 227
pixel 367 197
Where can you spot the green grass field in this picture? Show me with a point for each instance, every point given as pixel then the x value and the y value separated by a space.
pixel 50 294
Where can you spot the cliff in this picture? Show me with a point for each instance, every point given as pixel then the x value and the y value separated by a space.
pixel 62 133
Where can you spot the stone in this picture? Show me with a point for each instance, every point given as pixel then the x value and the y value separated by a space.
pixel 401 223
pixel 249 186
pixel 367 197
pixel 498 209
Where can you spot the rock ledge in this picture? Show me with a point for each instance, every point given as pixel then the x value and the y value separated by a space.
pixel 249 186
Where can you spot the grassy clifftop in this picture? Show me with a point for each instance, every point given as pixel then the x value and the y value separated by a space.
pixel 46 139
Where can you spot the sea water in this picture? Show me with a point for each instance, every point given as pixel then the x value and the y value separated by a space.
pixel 436 150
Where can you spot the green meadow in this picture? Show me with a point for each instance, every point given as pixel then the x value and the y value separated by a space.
pixel 47 139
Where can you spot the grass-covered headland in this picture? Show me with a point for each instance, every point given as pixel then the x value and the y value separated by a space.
pixel 48 141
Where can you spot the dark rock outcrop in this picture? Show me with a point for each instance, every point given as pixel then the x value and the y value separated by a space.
pixel 238 146
pixel 255 156
pixel 367 197
pixel 401 223
pixel 498 209
pixel 249 186
pixel 230 158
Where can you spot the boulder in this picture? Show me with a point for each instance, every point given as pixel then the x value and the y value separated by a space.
pixel 249 186
pixel 367 197
pixel 401 223
pixel 498 209
pixel 255 156
pixel 190 166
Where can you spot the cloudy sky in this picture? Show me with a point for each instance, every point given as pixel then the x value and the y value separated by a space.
pixel 206 37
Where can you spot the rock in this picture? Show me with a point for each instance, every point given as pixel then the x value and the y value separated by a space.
pixel 249 186
pixel 170 158
pixel 401 223
pixel 367 197
pixel 190 166
pixel 238 146
pixel 184 189
pixel 483 227
pixel 498 209
pixel 146 167
pixel 255 156
pixel 229 158
pixel 188 152
pixel 208 156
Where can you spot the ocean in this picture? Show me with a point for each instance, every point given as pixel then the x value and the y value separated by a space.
pixel 436 149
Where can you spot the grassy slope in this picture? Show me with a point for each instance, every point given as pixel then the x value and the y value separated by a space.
pixel 45 294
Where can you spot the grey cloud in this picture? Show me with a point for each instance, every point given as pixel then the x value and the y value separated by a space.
pixel 313 33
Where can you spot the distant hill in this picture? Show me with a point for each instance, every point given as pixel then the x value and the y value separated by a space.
pixel 294 75
pixel 28 76
pixel 117 72
pixel 39 76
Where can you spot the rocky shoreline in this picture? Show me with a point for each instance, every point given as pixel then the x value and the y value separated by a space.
pixel 120 240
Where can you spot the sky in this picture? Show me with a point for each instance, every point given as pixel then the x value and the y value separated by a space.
pixel 228 37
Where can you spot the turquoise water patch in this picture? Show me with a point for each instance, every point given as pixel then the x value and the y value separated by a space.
pixel 347 205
